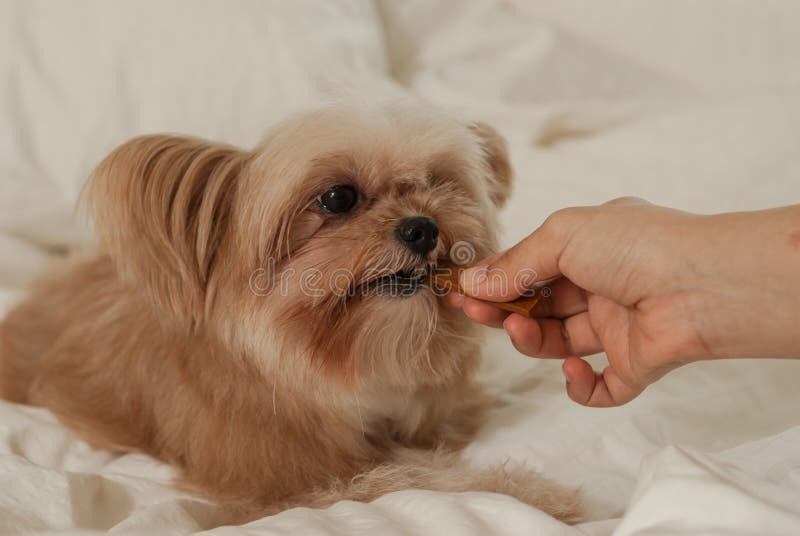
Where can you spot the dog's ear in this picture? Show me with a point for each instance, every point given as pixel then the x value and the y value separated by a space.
pixel 161 206
pixel 496 151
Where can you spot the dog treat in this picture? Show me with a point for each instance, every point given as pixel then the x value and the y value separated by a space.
pixel 447 277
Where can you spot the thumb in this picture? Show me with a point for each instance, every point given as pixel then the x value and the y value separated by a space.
pixel 534 259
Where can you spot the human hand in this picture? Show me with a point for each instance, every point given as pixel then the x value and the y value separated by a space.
pixel 652 287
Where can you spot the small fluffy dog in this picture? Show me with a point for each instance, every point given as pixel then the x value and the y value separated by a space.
pixel 262 321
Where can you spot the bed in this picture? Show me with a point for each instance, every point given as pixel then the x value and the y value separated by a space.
pixel 689 104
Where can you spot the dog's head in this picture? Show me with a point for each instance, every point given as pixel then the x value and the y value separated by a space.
pixel 312 251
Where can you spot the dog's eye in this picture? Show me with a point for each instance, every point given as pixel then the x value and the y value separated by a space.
pixel 339 199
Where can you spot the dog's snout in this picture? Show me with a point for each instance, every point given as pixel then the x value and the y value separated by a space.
pixel 419 234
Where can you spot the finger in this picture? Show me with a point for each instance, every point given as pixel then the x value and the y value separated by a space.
pixel 533 259
pixel 563 299
pixel 550 337
pixel 543 337
pixel 619 391
pixel 490 259
pixel 604 390
pixel 484 313
pixel 583 339
pixel 580 379
pixel 454 299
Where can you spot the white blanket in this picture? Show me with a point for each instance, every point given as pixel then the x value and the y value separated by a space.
pixel 694 105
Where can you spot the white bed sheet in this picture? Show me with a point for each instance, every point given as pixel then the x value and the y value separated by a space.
pixel 713 448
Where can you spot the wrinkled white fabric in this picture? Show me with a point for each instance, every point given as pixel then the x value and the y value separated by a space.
pixel 694 105
pixel 82 77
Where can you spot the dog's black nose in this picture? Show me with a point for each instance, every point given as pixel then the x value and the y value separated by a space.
pixel 419 234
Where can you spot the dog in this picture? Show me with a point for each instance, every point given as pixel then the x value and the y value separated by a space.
pixel 262 319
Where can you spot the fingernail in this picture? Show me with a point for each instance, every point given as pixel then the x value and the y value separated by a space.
pixel 472 278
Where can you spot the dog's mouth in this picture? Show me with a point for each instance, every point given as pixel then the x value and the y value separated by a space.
pixel 403 283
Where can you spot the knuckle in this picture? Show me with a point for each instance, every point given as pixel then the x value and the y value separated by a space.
pixel 564 219
pixel 628 200
pixel 559 226
pixel 559 217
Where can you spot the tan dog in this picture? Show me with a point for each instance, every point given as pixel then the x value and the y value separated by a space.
pixel 261 320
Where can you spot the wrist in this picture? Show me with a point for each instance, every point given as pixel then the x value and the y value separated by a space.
pixel 747 293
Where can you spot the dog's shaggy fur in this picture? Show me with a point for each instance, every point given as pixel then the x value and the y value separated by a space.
pixel 196 335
